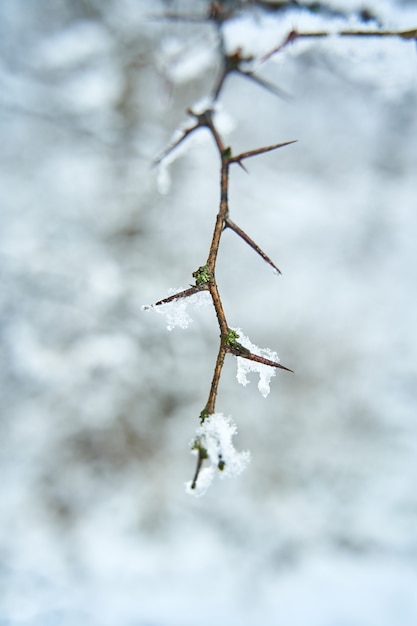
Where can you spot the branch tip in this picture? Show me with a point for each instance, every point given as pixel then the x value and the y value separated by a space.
pixel 261 359
pixel 175 296
pixel 252 153
pixel 251 243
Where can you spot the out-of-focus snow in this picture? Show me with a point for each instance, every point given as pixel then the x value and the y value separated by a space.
pixel 183 60
pixel 84 42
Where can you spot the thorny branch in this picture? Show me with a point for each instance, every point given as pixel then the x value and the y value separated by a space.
pixel 205 277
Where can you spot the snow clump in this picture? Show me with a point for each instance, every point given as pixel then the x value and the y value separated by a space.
pixel 245 366
pixel 176 311
pixel 214 435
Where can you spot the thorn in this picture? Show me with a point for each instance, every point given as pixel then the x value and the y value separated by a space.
pixel 251 153
pixel 276 91
pixel 251 243
pixel 219 85
pixel 293 35
pixel 261 359
pixel 242 166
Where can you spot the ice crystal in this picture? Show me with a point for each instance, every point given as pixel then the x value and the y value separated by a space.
pixel 245 366
pixel 215 435
pixel 176 311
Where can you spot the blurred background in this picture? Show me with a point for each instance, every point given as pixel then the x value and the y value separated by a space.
pixel 99 401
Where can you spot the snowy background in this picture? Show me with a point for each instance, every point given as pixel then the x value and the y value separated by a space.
pixel 99 401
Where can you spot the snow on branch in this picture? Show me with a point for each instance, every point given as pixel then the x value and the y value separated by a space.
pixel 246 366
pixel 175 306
pixel 213 442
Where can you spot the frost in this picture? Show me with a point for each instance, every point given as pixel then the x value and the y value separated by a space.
pixel 215 436
pixel 245 366
pixel 176 311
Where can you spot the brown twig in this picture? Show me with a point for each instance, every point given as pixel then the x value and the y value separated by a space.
pixel 294 35
pixel 210 407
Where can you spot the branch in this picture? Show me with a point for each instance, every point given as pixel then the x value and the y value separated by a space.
pixel 294 35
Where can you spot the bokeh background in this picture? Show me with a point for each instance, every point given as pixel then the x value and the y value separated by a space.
pixel 99 401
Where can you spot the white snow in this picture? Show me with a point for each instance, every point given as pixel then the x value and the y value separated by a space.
pixel 86 40
pixel 182 60
pixel 176 312
pixel 245 366
pixel 215 436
